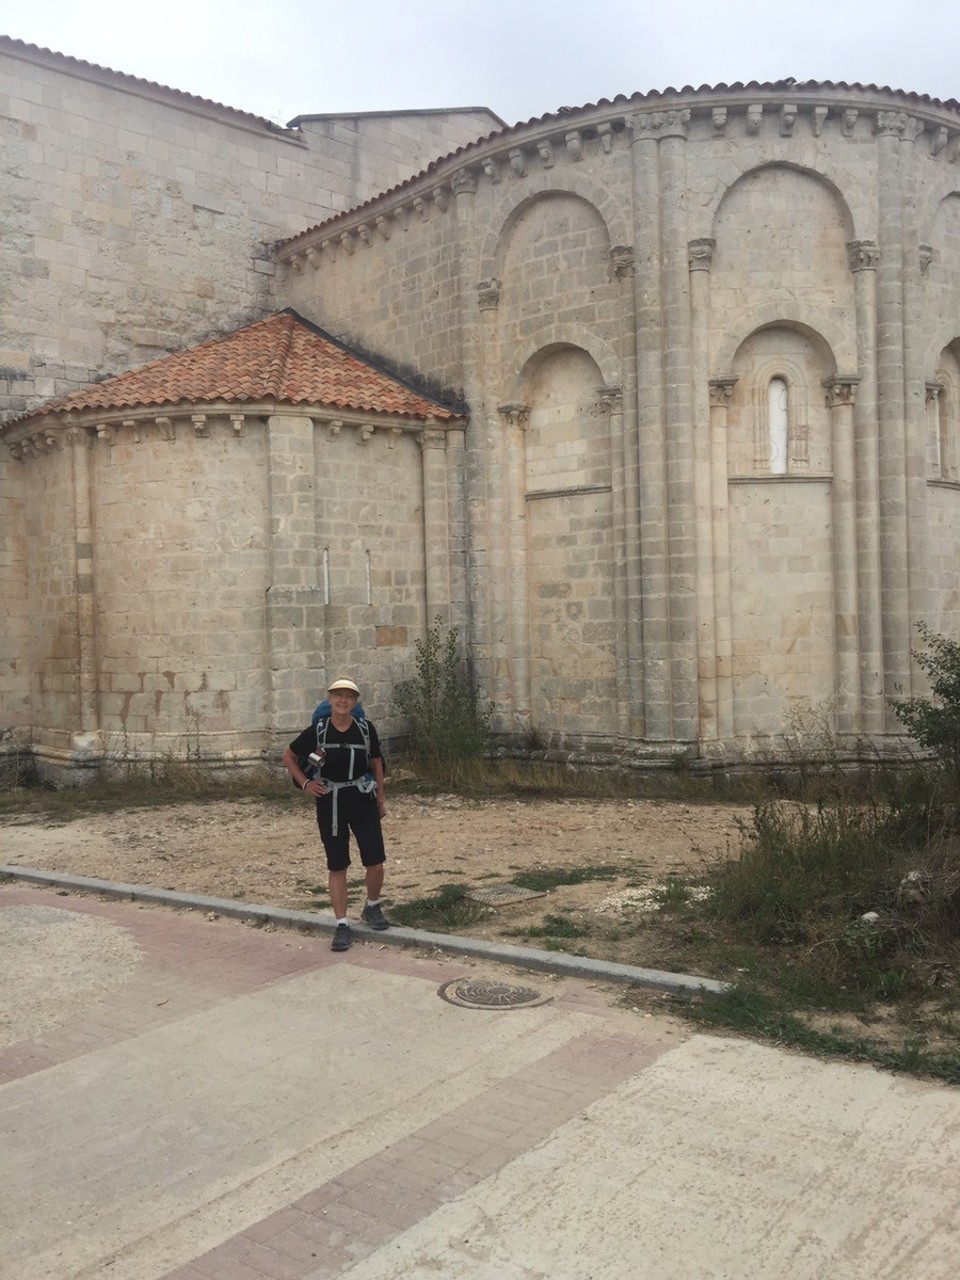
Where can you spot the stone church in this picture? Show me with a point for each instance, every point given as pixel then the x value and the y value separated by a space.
pixel 657 400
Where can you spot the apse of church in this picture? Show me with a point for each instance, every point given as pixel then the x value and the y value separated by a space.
pixel 685 474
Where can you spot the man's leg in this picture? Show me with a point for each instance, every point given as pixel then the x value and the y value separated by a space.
pixel 337 882
pixel 374 878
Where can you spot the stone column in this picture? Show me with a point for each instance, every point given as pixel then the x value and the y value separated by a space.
pixel 81 443
pixel 436 524
pixel 678 427
pixel 630 679
pixel 654 542
pixel 840 395
pixel 474 327
pixel 894 562
pixel 700 258
pixel 864 257
pixel 721 391
pixel 915 408
pixel 294 618
pixel 513 482
pixel 612 400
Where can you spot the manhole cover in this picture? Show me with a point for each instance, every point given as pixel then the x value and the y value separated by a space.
pixel 501 895
pixel 469 993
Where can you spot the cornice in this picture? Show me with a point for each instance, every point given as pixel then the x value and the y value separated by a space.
pixel 54 431
pixel 782 111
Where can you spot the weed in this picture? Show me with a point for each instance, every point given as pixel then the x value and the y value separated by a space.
pixel 449 722
pixel 448 908
pixel 549 878
pixel 554 926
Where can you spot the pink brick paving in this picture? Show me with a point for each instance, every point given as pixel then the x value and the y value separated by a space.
pixel 188 968
pixel 359 1211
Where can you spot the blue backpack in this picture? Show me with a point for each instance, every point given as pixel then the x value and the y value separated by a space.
pixel 320 719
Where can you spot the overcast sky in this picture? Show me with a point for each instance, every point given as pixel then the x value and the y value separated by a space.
pixel 520 58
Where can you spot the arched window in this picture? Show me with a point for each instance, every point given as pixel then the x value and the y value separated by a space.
pixel 778 426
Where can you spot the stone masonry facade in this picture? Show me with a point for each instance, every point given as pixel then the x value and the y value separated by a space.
pixel 708 343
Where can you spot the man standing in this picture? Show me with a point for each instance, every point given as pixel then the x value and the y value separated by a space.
pixel 348 788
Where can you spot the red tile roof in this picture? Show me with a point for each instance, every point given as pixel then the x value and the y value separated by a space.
pixel 282 359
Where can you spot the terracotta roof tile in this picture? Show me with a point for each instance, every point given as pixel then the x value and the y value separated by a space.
pixel 283 359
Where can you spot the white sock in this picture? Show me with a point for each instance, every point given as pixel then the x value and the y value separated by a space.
pixel 342 920
pixel 373 902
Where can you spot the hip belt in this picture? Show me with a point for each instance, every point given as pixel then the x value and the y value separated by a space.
pixel 365 785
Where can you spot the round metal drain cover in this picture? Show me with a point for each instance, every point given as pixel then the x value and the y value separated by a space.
pixel 471 993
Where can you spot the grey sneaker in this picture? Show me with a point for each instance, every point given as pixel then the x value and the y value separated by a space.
pixel 341 938
pixel 374 917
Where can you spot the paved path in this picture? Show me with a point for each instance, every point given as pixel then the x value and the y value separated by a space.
pixel 199 1099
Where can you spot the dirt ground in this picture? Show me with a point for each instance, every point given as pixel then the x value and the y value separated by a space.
pixel 270 853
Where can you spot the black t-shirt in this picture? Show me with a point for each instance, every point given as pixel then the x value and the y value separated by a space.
pixel 346 756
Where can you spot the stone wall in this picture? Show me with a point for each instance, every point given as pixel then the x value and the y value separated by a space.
pixel 762 284
pixel 141 220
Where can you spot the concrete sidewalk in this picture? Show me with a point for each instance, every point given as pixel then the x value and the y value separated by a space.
pixel 197 1098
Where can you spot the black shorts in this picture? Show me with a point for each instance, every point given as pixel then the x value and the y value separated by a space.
pixel 358 813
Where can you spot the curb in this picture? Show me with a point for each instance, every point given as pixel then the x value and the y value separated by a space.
pixel 310 921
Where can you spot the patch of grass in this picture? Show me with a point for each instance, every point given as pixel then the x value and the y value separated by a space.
pixel 449 908
pixel 554 926
pixel 751 1012
pixel 549 878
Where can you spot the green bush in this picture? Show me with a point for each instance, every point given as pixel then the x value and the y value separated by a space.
pixel 448 719
pixel 935 721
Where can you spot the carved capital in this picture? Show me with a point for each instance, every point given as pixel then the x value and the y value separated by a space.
pixel 611 399
pixel 515 414
pixel 488 295
pixel 899 124
pixel 700 254
pixel 431 438
pixel 622 258
pixel 934 391
pixel 659 124
pixel 464 182
pixel 721 391
pixel 863 255
pixel 840 390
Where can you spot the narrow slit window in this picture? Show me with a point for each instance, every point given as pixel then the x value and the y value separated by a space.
pixel 778 425
pixel 325 571
pixel 366 559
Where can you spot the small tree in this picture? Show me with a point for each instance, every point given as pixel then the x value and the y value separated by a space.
pixel 442 702
pixel 935 721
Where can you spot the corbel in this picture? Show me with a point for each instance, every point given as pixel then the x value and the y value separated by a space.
pixel 819 119
pixel 238 421
pixel 605 134
pixel 574 142
pixel 754 118
pixel 166 428
pixel 383 226
pixel 366 431
pixel 441 198
pixel 518 162
pixel 545 150
pixel 788 118
pixel 346 241
pixel 491 169
pixel 850 116
pixel 199 421
pixel 719 117
pixel 363 233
